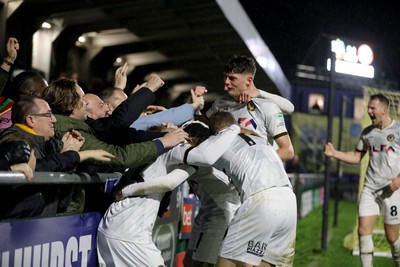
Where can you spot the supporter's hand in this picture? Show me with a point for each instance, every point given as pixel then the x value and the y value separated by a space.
pixel 97 154
pixel 154 83
pixel 197 100
pixel 173 138
pixel 24 168
pixel 153 109
pixel 121 77
pixel 246 96
pixel 170 126
pixel 16 152
pixel 12 48
pixel 200 90
pixel 72 141
pixel 329 151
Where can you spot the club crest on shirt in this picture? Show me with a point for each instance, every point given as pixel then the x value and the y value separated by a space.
pixel 251 106
pixel 390 137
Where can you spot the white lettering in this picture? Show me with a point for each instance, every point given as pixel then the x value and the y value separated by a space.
pixel 5 258
pixel 57 254
pixel 187 216
pixel 52 254
pixel 36 255
pixel 27 256
pixel 85 245
pixel 45 255
pixel 71 252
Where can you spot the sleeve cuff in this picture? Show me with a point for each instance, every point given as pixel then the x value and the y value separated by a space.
pixel 159 145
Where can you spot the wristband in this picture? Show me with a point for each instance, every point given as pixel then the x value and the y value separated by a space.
pixel 6 61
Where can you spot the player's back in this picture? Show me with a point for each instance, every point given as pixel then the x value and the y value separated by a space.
pixel 253 165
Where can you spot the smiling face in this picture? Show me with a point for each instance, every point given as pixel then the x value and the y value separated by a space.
pixel 79 112
pixel 42 121
pixel 95 107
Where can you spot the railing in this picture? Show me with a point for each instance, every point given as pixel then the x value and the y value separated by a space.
pixel 71 240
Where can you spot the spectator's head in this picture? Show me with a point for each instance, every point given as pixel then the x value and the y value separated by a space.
pixel 221 120
pixel 95 107
pixel 65 97
pixel 9 140
pixel 239 75
pixel 34 113
pixel 113 97
pixel 27 83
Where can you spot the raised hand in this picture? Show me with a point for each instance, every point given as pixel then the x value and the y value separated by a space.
pixel 197 99
pixel 12 48
pixel 121 76
pixel 154 83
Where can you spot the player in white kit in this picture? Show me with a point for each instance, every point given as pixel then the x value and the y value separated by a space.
pixel 381 140
pixel 263 116
pixel 263 230
pixel 125 233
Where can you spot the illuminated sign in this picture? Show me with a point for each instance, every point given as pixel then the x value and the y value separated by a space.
pixel 351 59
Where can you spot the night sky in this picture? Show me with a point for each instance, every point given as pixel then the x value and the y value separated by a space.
pixel 289 28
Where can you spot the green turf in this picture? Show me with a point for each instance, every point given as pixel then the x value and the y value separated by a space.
pixel 308 243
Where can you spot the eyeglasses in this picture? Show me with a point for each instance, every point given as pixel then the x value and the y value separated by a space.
pixel 47 114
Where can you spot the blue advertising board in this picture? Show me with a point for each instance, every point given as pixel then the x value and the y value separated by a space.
pixel 59 241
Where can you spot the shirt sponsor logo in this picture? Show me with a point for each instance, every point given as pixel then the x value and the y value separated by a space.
pixel 256 248
pixel 246 122
pixel 382 148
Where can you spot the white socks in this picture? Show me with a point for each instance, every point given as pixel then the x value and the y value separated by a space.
pixel 366 250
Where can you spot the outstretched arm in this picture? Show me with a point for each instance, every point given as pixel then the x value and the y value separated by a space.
pixel 350 157
pixel 160 184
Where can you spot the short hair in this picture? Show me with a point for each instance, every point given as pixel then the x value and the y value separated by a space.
pixel 241 64
pixel 382 99
pixel 105 94
pixel 220 120
pixel 21 109
pixel 197 130
pixel 19 85
pixel 62 97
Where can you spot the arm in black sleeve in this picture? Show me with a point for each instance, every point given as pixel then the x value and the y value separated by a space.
pixel 126 113
pixel 59 162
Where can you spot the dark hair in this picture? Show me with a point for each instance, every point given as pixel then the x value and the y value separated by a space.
pixel 220 120
pixel 25 106
pixel 105 94
pixel 382 99
pixel 197 130
pixel 24 84
pixel 62 96
pixel 241 64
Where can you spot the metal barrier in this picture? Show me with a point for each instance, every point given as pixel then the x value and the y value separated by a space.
pixel 56 178
pixel 71 240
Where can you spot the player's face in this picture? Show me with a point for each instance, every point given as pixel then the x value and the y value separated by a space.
pixel 235 84
pixel 376 112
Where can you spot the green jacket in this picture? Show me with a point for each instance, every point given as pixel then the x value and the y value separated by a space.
pixel 128 156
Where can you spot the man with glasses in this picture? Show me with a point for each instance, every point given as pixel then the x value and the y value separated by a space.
pixel 32 118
